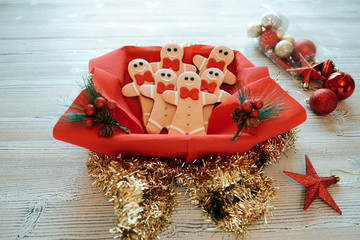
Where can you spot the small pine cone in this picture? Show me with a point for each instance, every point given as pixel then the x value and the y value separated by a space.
pixel 105 117
pixel 252 123
pixel 106 130
pixel 237 114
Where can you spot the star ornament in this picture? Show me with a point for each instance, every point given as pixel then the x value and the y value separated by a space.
pixel 315 185
pixel 309 71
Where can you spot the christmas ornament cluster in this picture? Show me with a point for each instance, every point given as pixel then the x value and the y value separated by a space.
pixel 298 58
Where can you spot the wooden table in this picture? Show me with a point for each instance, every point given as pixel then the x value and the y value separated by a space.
pixel 44 51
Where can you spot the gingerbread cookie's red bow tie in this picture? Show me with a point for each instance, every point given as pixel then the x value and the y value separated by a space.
pixel 193 93
pixel 174 64
pixel 210 87
pixel 141 78
pixel 162 87
pixel 212 63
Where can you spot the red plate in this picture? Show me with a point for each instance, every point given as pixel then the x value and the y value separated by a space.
pixel 110 75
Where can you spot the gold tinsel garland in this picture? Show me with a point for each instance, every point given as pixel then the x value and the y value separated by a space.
pixel 233 190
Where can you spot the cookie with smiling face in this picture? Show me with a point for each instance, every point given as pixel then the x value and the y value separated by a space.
pixel 220 57
pixel 171 58
pixel 141 74
pixel 162 112
pixel 190 101
pixel 211 80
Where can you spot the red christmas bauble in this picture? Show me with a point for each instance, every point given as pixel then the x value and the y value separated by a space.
pixel 247 106
pixel 306 48
pixel 340 83
pixel 89 109
pixel 100 102
pixel 323 101
pixel 111 105
pixel 327 68
pixel 88 122
pixel 268 40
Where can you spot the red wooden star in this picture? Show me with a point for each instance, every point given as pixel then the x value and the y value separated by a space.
pixel 315 185
pixel 309 71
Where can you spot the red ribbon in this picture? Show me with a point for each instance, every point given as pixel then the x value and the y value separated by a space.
pixel 212 63
pixel 161 87
pixel 193 93
pixel 141 78
pixel 174 64
pixel 210 87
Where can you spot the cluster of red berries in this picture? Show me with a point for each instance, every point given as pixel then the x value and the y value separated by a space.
pixel 92 109
pixel 248 111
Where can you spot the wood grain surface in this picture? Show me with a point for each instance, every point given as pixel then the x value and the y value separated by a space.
pixel 45 47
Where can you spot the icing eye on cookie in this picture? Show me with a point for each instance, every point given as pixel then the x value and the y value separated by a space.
pixel 169 75
pixel 211 72
pixel 186 78
pixel 135 65
pixel 220 51
pixel 141 63
pixel 216 74
pixel 175 49
pixel 226 53
pixel 163 74
pixel 192 78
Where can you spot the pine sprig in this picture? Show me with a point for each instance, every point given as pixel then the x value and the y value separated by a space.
pixel 97 114
pixel 253 110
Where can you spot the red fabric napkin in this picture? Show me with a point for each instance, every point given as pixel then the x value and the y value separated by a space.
pixel 110 75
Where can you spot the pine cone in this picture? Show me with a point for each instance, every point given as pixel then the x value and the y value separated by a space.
pixel 105 117
pixel 106 130
pixel 237 114
pixel 252 123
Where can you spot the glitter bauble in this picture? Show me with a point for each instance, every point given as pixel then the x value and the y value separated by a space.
pixel 327 68
pixel 306 48
pixel 268 40
pixel 342 84
pixel 271 20
pixel 323 101
pixel 284 49
pixel 254 31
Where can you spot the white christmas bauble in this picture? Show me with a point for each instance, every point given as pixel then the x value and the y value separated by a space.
pixel 254 30
pixel 289 37
pixel 280 33
pixel 271 19
pixel 284 49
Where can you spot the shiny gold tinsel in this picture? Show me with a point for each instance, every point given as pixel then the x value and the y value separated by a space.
pixel 233 190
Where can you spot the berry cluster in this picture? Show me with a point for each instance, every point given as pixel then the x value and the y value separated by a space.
pixel 94 111
pixel 248 113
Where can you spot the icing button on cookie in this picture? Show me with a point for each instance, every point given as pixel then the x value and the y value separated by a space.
pixel 187 123
pixel 189 106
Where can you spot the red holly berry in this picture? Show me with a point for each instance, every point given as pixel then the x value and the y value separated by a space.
pixel 89 109
pixel 258 103
pixel 323 101
pixel 268 40
pixel 247 106
pixel 111 105
pixel 88 122
pixel 254 113
pixel 100 102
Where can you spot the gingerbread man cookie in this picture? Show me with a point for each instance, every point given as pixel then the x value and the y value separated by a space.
pixel 211 80
pixel 141 73
pixel 162 112
pixel 220 57
pixel 190 101
pixel 171 57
